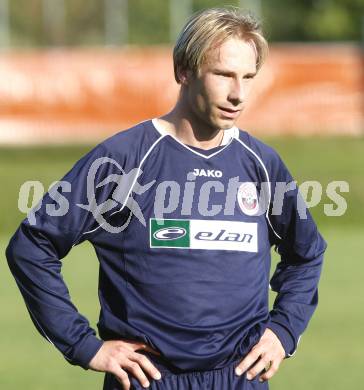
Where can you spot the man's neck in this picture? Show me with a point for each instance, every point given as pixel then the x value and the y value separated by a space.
pixel 190 131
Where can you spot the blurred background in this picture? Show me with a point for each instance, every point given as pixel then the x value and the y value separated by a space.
pixel 74 72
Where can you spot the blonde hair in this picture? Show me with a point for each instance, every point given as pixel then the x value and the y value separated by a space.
pixel 208 29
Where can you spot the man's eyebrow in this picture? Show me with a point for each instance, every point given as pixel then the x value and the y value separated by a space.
pixel 251 74
pixel 230 73
pixel 222 71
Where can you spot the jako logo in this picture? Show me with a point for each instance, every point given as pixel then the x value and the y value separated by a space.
pixel 207 172
pixel 172 233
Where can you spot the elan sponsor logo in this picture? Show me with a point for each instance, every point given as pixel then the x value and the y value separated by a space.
pixel 203 234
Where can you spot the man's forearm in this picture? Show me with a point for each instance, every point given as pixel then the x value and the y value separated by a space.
pixel 297 298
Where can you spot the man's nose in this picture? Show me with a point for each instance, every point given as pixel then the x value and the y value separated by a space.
pixel 237 92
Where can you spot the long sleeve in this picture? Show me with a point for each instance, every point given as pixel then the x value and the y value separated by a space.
pixel 301 249
pixel 34 256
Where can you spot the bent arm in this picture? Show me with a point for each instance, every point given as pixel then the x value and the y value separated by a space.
pixel 33 256
pixel 296 278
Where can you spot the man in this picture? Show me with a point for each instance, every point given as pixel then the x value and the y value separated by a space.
pixel 183 235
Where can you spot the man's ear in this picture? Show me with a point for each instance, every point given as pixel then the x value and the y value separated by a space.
pixel 184 76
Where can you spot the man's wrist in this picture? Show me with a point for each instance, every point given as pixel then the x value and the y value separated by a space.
pixel 85 350
pixel 284 336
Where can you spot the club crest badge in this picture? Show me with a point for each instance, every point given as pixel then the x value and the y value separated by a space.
pixel 248 199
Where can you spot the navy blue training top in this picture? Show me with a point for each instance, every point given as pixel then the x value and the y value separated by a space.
pixel 183 238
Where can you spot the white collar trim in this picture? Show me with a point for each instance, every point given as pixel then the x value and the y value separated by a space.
pixel 229 135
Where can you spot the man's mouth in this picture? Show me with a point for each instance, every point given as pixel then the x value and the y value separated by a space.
pixel 229 112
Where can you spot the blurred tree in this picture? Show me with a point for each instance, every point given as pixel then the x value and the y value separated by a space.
pixel 85 22
pixel 313 20
pixel 335 20
pixel 201 4
pixel 285 19
pixel 149 20
pixel 26 23
pixel 4 24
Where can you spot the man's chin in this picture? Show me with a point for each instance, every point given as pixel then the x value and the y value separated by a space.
pixel 225 124
pixel 222 123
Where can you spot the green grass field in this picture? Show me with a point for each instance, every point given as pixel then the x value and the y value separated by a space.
pixel 330 352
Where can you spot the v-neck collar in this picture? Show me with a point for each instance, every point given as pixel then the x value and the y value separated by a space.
pixel 229 135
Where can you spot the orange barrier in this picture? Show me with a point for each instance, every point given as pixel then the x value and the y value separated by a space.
pixel 85 95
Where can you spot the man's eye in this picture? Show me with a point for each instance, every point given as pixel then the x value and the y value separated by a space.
pixel 222 74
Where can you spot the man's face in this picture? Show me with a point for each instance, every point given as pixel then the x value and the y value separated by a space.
pixel 217 94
